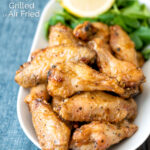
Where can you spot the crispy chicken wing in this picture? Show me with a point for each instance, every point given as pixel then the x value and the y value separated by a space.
pixel 52 133
pixel 36 71
pixel 100 136
pixel 125 72
pixel 95 106
pixel 65 80
pixel 122 45
pixel 62 35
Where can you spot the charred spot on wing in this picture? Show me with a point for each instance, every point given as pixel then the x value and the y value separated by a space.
pixel 49 74
pixel 88 27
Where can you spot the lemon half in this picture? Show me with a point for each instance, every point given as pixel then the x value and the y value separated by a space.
pixel 87 8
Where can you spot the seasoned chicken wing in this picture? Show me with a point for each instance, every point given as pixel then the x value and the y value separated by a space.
pixel 62 35
pixel 95 106
pixel 36 71
pixel 52 133
pixel 122 45
pixel 125 72
pixel 65 80
pixel 100 136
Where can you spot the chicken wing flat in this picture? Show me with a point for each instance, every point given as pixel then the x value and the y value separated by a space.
pixel 65 80
pixel 125 72
pixel 100 136
pixel 52 133
pixel 122 45
pixel 95 106
pixel 36 71
pixel 62 35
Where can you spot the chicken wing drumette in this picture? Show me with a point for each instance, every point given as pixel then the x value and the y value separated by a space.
pixel 122 45
pixel 52 133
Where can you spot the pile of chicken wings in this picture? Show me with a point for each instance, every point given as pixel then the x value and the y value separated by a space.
pixel 82 87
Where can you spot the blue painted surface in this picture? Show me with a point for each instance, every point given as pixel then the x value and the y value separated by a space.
pixel 16 36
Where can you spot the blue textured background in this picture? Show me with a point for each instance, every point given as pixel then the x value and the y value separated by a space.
pixel 16 36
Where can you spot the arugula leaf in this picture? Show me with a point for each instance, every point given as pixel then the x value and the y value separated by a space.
pixel 106 17
pixel 144 34
pixel 146 53
pixel 56 19
pixel 136 10
pixel 136 39
pixel 131 22
pixel 124 3
pixel 46 26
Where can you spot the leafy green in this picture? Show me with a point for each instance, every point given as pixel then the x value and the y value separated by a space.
pixel 132 16
pixel 143 33
pixel 146 53
pixel 136 39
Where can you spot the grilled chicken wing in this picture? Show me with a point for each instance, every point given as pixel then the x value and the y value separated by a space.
pixel 122 45
pixel 100 136
pixel 95 106
pixel 62 35
pixel 52 133
pixel 65 80
pixel 125 72
pixel 35 71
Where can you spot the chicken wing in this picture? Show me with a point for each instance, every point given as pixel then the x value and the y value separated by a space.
pixel 62 35
pixel 36 71
pixel 65 80
pixel 52 133
pixel 95 106
pixel 122 45
pixel 125 72
pixel 100 136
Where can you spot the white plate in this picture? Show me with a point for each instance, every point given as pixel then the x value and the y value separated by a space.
pixel 143 101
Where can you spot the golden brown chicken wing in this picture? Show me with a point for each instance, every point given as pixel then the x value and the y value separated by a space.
pixel 95 106
pixel 122 45
pixel 100 136
pixel 125 72
pixel 52 133
pixel 36 71
pixel 62 35
pixel 65 80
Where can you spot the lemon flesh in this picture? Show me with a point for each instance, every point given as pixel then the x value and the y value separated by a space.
pixel 87 8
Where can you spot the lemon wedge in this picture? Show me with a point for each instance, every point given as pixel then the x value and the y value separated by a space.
pixel 86 8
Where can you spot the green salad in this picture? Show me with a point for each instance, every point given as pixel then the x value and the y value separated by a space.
pixel 132 16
